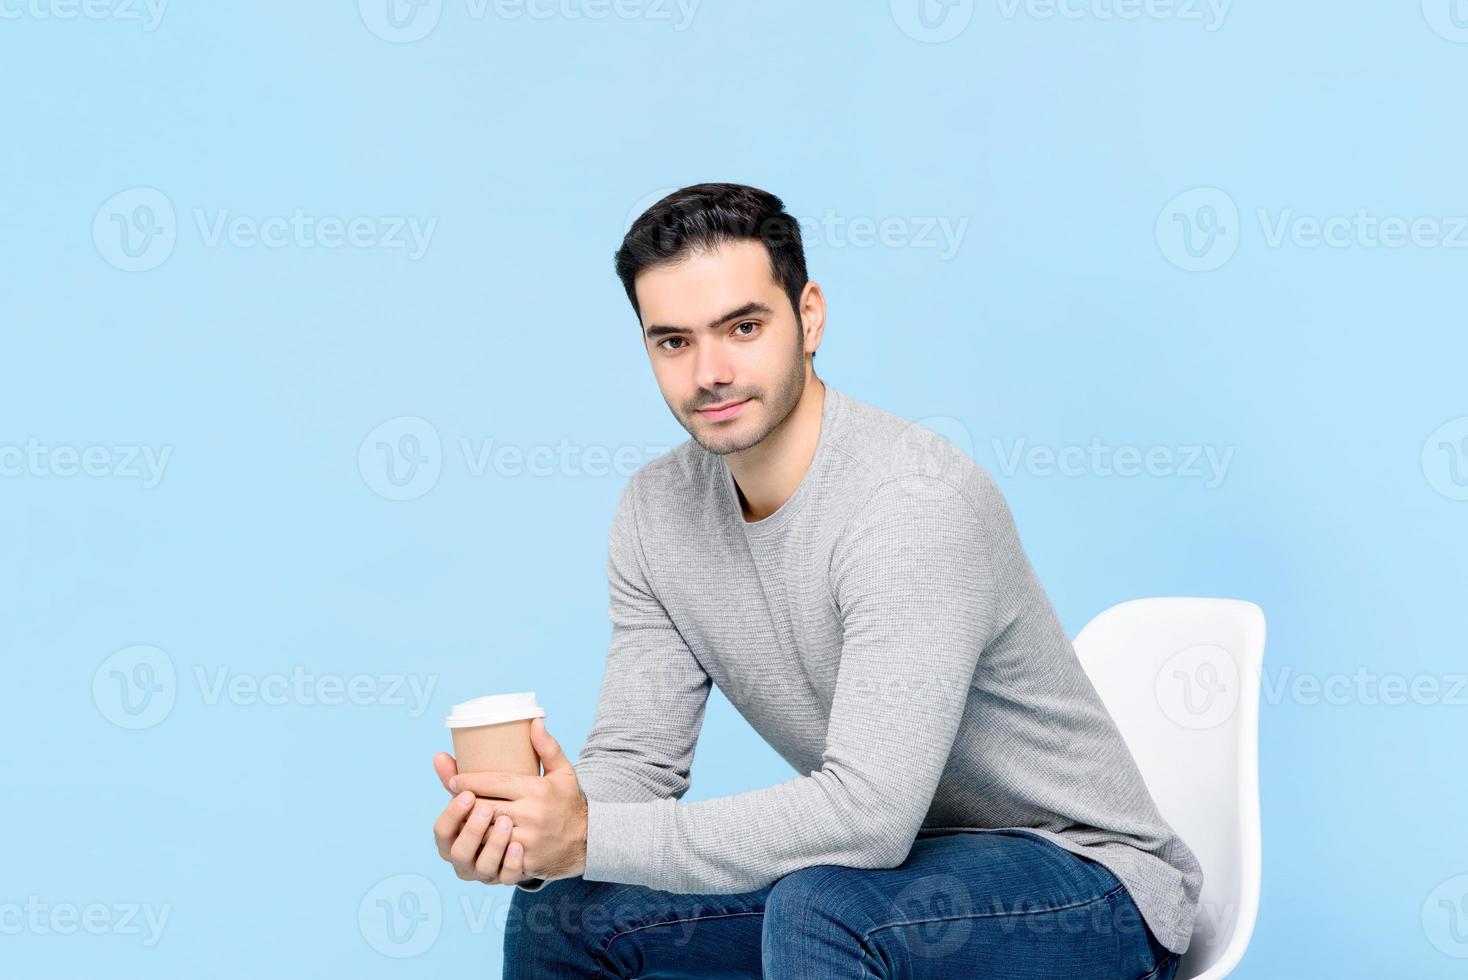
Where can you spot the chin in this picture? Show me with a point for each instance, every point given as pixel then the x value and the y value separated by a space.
pixel 731 436
pixel 722 443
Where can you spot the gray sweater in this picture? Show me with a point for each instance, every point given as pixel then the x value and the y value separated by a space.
pixel 884 632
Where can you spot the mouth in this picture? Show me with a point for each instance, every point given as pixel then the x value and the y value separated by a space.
pixel 727 410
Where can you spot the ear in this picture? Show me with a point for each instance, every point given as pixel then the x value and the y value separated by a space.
pixel 812 315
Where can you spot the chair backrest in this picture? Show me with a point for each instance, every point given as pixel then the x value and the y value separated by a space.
pixel 1180 677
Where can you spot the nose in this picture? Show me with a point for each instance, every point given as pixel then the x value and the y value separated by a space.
pixel 715 368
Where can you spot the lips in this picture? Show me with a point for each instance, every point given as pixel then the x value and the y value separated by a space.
pixel 724 411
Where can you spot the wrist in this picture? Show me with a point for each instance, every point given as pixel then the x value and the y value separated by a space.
pixel 579 841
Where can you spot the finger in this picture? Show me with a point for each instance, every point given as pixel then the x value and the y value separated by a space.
pixel 488 864
pixel 549 750
pixel 447 769
pixel 466 846
pixel 450 822
pixel 495 785
pixel 512 870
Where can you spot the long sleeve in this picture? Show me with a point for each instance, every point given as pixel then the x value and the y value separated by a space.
pixel 912 580
pixel 653 694
pixel 653 691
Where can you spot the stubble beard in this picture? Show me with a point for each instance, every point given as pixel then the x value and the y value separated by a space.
pixel 786 397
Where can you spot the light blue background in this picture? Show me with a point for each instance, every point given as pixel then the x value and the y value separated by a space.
pixel 1065 315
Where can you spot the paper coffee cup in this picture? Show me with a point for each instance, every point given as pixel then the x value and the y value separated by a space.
pixel 493 733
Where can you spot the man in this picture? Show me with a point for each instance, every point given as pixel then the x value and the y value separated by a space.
pixel 856 587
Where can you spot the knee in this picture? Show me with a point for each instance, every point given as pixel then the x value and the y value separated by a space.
pixel 820 894
pixel 817 921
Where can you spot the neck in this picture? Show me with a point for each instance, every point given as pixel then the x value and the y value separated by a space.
pixel 769 472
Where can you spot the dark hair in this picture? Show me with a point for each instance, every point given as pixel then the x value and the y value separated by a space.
pixel 704 216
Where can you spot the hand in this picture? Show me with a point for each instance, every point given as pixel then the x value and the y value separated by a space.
pixel 460 833
pixel 548 813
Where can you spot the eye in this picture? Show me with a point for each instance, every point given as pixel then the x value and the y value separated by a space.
pixel 747 323
pixel 670 340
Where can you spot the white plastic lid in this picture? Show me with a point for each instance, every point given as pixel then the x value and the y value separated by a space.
pixel 494 709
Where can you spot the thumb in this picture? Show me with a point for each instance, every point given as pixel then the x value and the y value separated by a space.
pixel 548 749
pixel 446 767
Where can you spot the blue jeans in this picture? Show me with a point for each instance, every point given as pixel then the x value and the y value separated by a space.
pixel 999 904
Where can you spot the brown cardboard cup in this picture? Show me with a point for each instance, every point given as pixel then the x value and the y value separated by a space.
pixel 493 734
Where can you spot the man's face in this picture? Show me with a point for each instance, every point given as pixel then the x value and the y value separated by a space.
pixel 719 330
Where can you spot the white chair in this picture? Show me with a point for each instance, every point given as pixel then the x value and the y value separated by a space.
pixel 1181 679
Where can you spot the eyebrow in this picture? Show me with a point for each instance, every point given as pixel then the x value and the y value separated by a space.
pixel 748 309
